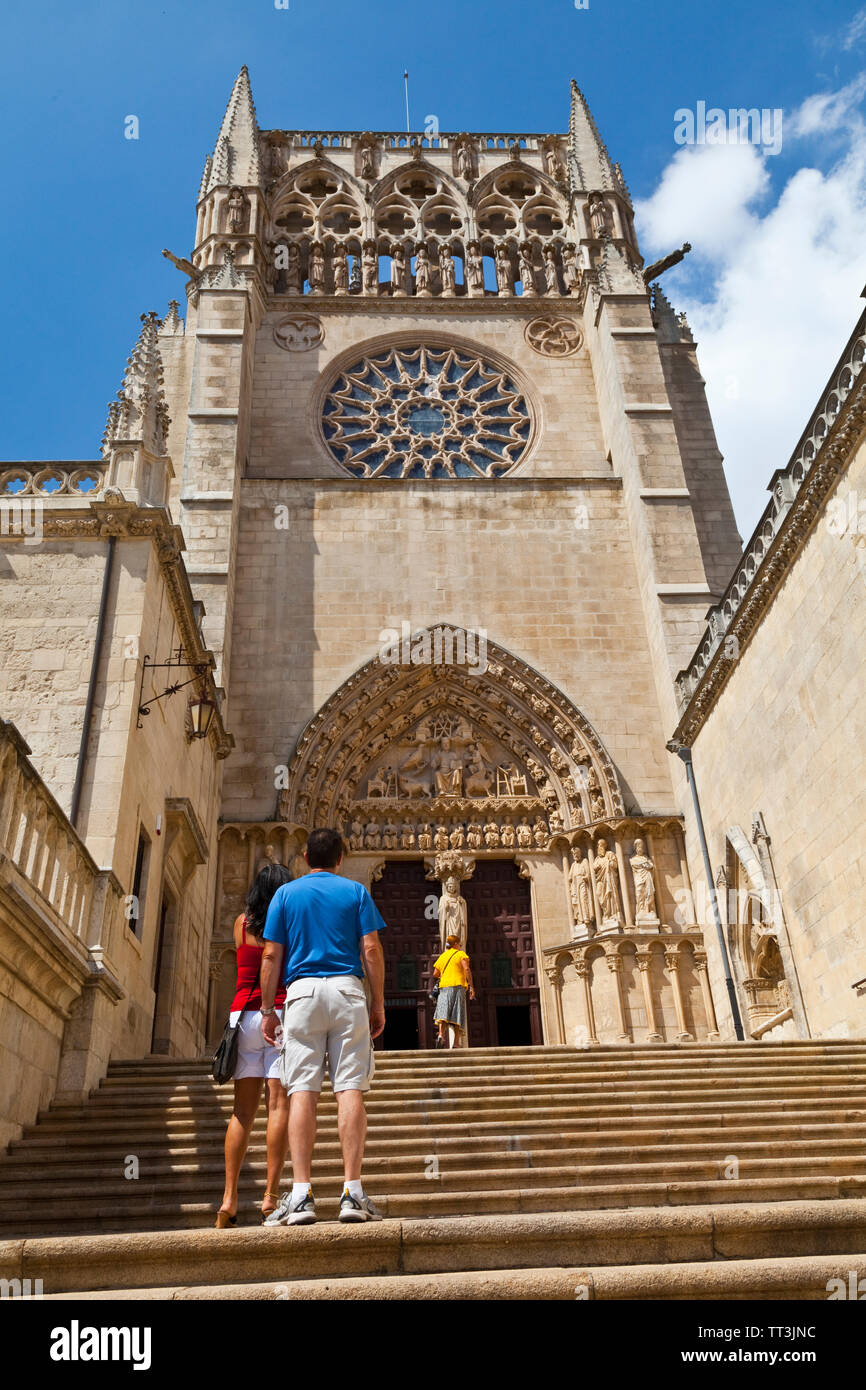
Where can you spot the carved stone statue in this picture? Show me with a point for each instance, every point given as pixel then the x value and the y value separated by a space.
pixel 474 269
pixel 422 270
pixel 479 777
pixel 293 270
pixel 605 872
pixel 448 770
pixel 237 211
pixel 464 161
pixel 551 271
pixel 503 271
pixel 452 912
pixel 368 163
pixel 599 217
pixel 527 274
pixel 356 835
pixel 475 836
pixel 580 889
pixel 398 268
pixel 644 886
pixel 441 839
pixel 425 837
pixel 446 270
pixel 373 836
pixel 457 838
pixel 340 268
pixel 316 272
pixel 524 834
pixel 555 166
pixel 569 267
pixel 407 836
pixel 370 268
pixel 390 836
pixel 491 835
pixel 507 836
pixel 540 832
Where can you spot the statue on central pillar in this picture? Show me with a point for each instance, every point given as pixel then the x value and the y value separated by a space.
pixel 452 912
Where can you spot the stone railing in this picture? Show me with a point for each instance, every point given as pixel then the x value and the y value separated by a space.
pixel 76 478
pixel 38 841
pixel 789 486
pixel 347 139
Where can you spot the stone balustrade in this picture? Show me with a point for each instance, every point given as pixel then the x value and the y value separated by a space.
pixel 51 480
pixel 347 139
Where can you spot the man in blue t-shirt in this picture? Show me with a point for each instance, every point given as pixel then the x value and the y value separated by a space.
pixel 317 930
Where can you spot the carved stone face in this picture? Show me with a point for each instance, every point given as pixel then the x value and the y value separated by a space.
pixel 639 846
pixel 452 886
pixel 577 854
pixel 602 847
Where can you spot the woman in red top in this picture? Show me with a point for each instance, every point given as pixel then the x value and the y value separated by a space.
pixel 257 1061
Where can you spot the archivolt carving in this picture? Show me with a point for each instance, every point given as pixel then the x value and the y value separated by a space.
pixel 484 755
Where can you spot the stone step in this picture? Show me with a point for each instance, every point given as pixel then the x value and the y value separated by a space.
pixel 207 1163
pixel 664 1239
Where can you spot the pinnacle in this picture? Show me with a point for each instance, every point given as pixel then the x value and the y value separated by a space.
pixel 591 165
pixel 140 412
pixel 236 156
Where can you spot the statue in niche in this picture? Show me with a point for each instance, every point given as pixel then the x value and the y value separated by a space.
pixel 370 268
pixel 457 837
pixel 294 274
pixel 540 832
pixel 422 270
pixel 644 885
pixel 425 837
pixel 407 836
pixel 599 217
pixel 368 163
pixel 580 889
pixel 491 835
pixel 355 276
pixel 448 770
pixel 569 267
pixel 524 834
pixel 507 836
pixel 340 267
pixel 605 872
pixel 527 274
pixel 441 839
pixel 474 268
pixel 464 161
pixel 372 836
pixel 452 913
pixel 503 270
pixel 390 836
pixel 596 802
pixel 555 822
pixel 551 271
pixel 236 211
pixel 398 268
pixel 555 166
pixel 356 835
pixel 316 272
pixel 475 836
pixel 447 273
pixel 271 271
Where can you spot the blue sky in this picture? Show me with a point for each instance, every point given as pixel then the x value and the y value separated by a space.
pixel 88 211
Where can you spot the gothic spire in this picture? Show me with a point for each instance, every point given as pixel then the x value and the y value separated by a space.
pixel 140 411
pixel 591 168
pixel 236 155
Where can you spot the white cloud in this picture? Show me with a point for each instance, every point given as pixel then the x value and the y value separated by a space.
pixel 856 30
pixel 772 291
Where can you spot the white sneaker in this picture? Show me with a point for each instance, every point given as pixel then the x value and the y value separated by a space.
pixel 293 1212
pixel 358 1209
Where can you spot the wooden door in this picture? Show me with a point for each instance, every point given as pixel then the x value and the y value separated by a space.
pixel 502 957
pixel 406 898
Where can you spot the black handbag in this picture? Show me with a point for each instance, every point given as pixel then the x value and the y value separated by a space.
pixel 433 994
pixel 225 1059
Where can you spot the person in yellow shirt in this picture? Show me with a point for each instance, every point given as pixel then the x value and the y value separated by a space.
pixel 454 977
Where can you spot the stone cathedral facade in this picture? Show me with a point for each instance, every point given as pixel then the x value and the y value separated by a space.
pixel 419 498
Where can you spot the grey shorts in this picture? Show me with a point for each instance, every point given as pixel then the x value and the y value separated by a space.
pixel 326 1019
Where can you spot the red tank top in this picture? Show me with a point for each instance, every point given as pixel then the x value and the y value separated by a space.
pixel 248 990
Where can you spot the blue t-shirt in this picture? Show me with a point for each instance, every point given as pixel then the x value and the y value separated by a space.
pixel 320 920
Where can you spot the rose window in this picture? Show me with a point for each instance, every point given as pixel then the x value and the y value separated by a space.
pixel 422 412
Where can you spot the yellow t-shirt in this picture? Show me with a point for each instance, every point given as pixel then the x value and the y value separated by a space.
pixel 451 973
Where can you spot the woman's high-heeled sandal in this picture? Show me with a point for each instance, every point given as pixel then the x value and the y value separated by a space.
pixel 276 1200
pixel 225 1219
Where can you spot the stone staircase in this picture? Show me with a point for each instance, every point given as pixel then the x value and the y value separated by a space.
pixel 682 1171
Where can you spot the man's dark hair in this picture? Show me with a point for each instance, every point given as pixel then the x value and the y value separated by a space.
pixel 324 849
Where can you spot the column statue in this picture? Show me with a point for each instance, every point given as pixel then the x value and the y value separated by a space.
pixel 452 912
pixel 644 886
pixel 580 889
pixel 606 873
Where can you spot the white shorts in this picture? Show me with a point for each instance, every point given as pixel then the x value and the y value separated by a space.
pixel 327 1019
pixel 255 1056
